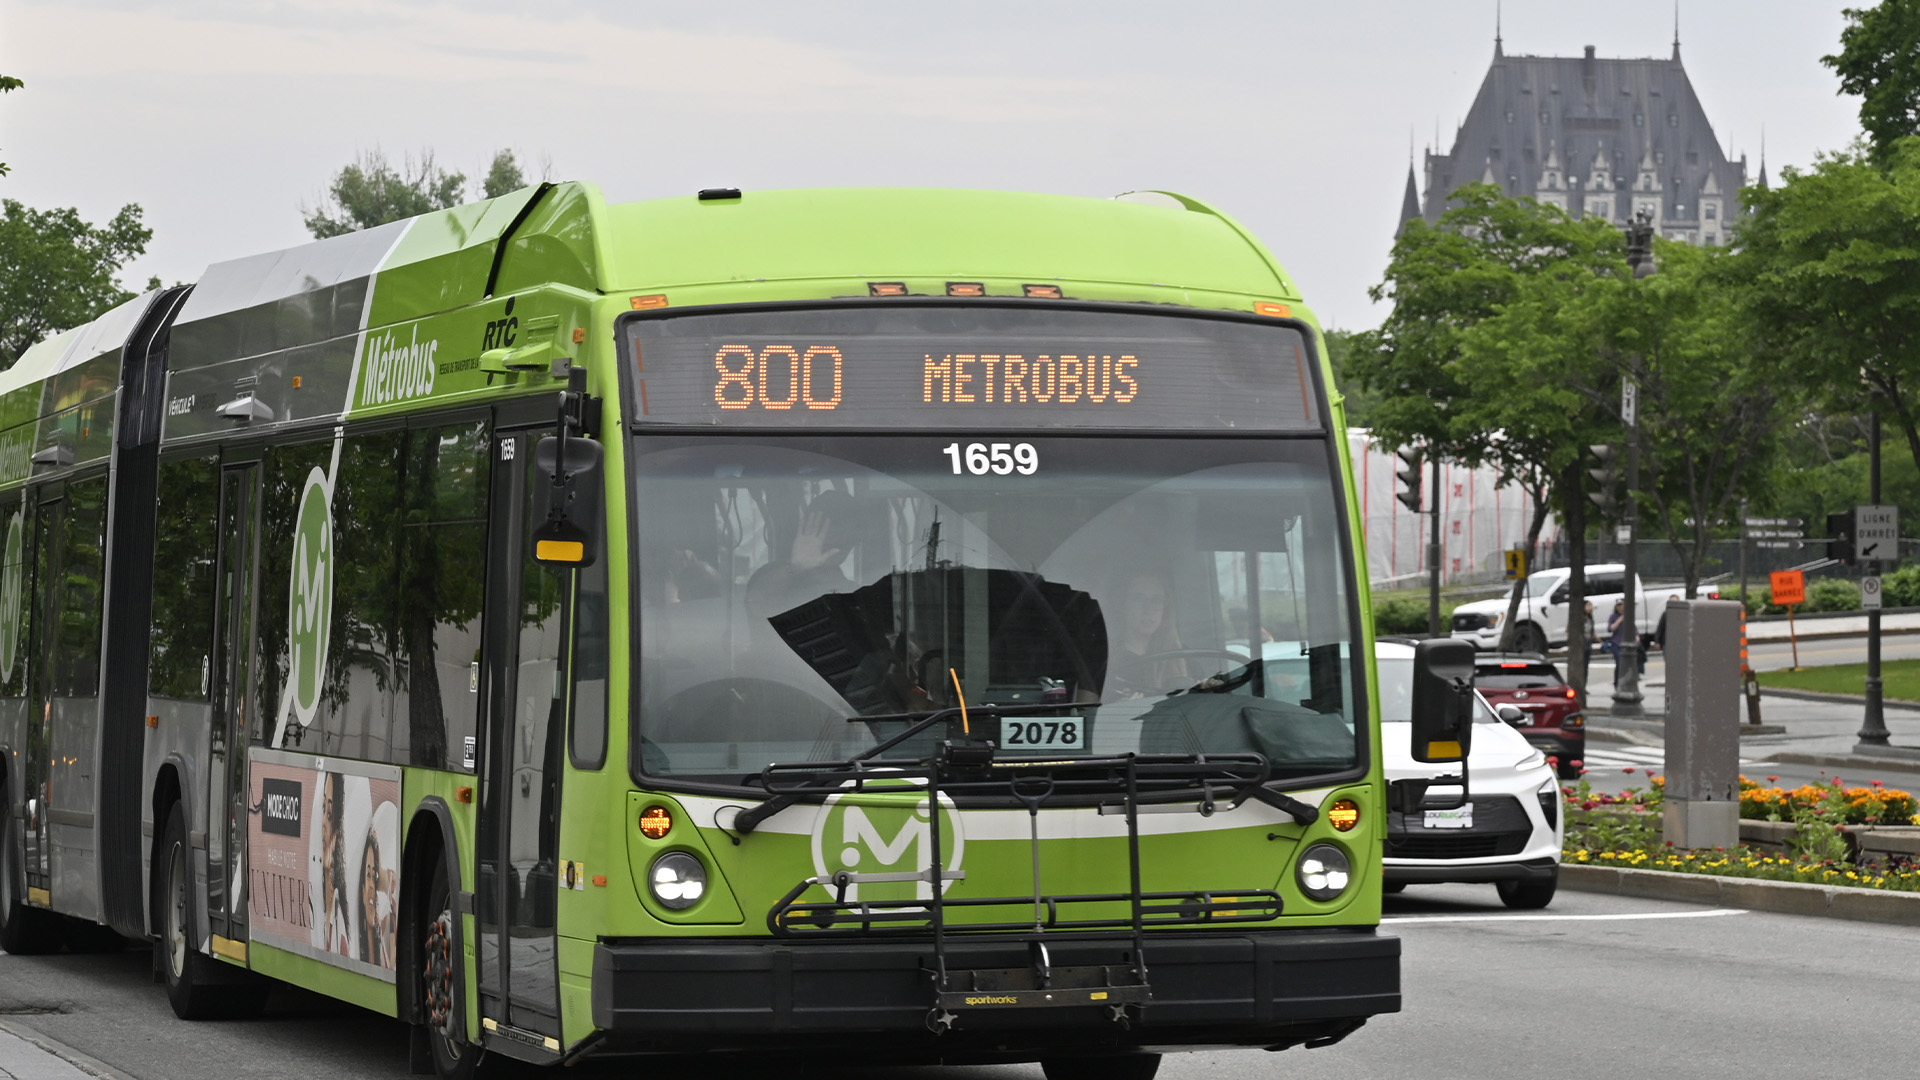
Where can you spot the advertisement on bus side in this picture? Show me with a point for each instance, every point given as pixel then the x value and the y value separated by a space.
pixel 324 859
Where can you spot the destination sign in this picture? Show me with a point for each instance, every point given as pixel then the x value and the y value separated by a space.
pixel 900 364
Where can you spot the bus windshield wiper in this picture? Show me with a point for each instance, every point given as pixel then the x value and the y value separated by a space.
pixel 748 819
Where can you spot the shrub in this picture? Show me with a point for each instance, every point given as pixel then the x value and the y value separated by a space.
pixel 1902 587
pixel 1399 614
pixel 1832 594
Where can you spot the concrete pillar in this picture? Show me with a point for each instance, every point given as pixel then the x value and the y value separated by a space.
pixel 1703 723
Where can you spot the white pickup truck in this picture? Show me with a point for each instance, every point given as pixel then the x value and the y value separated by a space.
pixel 1541 622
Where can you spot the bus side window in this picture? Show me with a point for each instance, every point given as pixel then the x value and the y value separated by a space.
pixel 442 578
pixel 364 685
pixel 587 735
pixel 180 648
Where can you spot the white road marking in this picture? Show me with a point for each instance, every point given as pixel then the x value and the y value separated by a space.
pixel 1567 918
pixel 1616 757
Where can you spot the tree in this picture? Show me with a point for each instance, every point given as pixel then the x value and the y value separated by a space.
pixel 57 271
pixel 503 175
pixel 8 84
pixel 1454 374
pixel 371 191
pixel 1829 271
pixel 1712 390
pixel 1360 401
pixel 1879 59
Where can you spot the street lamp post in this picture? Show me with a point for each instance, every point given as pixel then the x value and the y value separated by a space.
pixel 1873 727
pixel 1626 661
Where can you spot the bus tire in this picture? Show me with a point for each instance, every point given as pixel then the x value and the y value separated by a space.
pixel 1108 1067
pixel 24 930
pixel 454 1058
pixel 196 989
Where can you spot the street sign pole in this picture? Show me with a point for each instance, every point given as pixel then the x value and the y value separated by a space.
pixel 1873 726
pixel 1626 661
pixel 1433 546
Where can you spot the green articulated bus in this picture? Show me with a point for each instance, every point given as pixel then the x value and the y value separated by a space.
pixel 919 622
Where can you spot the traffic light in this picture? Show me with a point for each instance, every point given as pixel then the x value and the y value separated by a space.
pixel 1409 475
pixel 1606 474
pixel 1840 531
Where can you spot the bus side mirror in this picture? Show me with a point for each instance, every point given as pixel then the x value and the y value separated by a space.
pixel 566 501
pixel 1442 700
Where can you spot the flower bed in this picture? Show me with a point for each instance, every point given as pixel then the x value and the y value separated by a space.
pixel 1903 876
pixel 1624 830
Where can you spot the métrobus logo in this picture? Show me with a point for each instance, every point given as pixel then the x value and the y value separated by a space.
pixel 874 836
pixel 310 593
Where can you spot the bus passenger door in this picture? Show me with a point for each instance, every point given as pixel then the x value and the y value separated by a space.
pixel 233 702
pixel 522 702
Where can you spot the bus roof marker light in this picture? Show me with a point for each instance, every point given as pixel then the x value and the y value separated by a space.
pixel 1041 292
pixel 1278 311
pixel 886 288
pixel 966 288
pixel 642 303
pixel 655 822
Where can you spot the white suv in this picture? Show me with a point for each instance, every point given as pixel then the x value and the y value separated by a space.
pixel 1509 832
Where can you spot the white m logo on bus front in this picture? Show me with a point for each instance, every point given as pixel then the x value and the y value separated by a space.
pixel 310 596
pixel 873 837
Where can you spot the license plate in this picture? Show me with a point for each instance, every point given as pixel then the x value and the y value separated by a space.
pixel 1460 817
pixel 1064 733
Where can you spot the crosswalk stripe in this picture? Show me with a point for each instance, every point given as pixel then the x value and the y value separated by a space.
pixel 1644 755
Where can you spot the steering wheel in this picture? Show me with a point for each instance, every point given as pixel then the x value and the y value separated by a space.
pixel 1146 660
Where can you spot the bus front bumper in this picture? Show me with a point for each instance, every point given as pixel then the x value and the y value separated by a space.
pixel 1270 988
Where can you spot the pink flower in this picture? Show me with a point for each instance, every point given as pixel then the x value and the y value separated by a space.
pixel 1626 769
pixel 1875 783
pixel 1773 779
pixel 1578 764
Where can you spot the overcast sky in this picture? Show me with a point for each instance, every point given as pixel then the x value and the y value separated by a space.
pixel 222 118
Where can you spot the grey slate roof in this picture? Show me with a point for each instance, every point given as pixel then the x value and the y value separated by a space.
pixel 1594 134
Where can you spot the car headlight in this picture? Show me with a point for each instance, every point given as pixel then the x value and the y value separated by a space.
pixel 1549 796
pixel 1494 619
pixel 1323 872
pixel 1532 761
pixel 677 880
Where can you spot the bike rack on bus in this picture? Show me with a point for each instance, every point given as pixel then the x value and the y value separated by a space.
pixel 967 766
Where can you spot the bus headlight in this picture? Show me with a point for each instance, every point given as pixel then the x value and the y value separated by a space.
pixel 677 880
pixel 1323 872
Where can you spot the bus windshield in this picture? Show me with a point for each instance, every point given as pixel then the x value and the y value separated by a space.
pixel 1188 594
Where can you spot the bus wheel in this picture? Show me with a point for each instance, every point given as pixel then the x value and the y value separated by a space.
pixel 454 1058
pixel 24 931
pixel 195 988
pixel 1113 1067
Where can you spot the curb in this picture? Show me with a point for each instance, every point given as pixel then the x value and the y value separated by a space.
pixel 1753 894
pixel 84 1062
pixel 1848 761
pixel 1835 699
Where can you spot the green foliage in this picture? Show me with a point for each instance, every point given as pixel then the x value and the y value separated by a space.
pixel 1361 401
pixel 57 271
pixel 1901 588
pixel 1404 612
pixel 371 191
pixel 1829 272
pixel 8 84
pixel 503 175
pixel 1879 60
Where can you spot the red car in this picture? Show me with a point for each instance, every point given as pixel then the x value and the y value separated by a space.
pixel 1548 713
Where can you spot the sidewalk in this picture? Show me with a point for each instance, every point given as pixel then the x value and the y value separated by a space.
pixel 26 1055
pixel 1819 731
pixel 1830 625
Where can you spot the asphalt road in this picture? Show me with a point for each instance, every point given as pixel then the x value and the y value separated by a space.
pixel 1595 985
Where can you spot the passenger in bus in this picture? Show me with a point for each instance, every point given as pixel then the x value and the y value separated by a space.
pixel 828 531
pixel 1142 634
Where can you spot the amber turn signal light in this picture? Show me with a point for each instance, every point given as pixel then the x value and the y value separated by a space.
pixel 655 822
pixel 1278 311
pixel 1343 815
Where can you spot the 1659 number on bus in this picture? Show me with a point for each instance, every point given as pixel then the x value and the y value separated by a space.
pixel 1068 734
pixel 997 458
